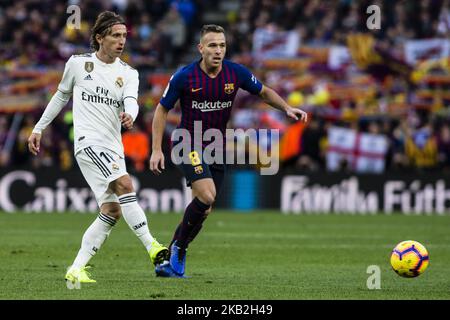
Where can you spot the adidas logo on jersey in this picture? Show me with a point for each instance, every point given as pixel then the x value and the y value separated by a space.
pixel 88 77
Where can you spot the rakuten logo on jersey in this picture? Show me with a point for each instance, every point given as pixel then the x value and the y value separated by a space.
pixel 207 106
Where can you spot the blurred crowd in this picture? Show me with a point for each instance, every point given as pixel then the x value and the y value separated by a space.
pixel 412 113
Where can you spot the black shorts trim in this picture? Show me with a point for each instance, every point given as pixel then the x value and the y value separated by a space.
pixel 98 162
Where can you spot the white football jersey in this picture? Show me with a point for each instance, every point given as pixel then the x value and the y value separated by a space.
pixel 99 90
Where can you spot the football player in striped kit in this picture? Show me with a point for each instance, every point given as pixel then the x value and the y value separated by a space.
pixel 206 90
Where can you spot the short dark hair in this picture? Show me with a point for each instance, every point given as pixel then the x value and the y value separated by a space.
pixel 103 24
pixel 211 28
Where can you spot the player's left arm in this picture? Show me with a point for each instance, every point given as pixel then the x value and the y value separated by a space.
pixel 272 98
pixel 130 96
pixel 251 84
pixel 131 110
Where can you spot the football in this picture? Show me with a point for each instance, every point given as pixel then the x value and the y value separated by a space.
pixel 409 259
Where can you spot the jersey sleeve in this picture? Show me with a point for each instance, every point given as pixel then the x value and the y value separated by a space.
pixel 173 91
pixel 68 78
pixel 248 80
pixel 131 85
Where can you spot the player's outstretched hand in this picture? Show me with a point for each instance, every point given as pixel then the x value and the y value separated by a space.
pixel 157 160
pixel 34 143
pixel 126 120
pixel 295 113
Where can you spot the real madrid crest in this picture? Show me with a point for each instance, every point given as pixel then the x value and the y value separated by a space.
pixel 229 88
pixel 119 82
pixel 89 66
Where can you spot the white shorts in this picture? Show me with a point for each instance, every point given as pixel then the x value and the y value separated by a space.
pixel 100 166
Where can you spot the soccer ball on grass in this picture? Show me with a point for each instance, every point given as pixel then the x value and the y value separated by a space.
pixel 409 259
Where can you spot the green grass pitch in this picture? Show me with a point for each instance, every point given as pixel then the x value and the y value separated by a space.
pixel 258 255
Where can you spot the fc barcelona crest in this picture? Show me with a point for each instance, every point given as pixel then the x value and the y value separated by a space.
pixel 89 66
pixel 229 88
pixel 198 169
pixel 119 82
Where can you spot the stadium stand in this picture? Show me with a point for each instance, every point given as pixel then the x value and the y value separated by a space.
pixel 319 55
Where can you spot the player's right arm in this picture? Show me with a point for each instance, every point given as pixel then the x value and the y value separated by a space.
pixel 158 126
pixel 168 100
pixel 54 107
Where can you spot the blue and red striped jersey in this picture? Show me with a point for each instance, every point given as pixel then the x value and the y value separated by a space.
pixel 207 99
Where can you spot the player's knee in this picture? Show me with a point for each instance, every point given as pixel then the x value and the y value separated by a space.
pixel 123 185
pixel 207 197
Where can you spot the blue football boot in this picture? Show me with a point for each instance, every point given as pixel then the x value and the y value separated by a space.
pixel 177 259
pixel 165 270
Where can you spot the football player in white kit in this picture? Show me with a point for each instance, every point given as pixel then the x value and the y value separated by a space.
pixel 105 92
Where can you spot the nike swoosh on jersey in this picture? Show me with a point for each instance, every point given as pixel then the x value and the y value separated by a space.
pixel 196 89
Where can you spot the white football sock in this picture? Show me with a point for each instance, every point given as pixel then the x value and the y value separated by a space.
pixel 93 239
pixel 135 218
